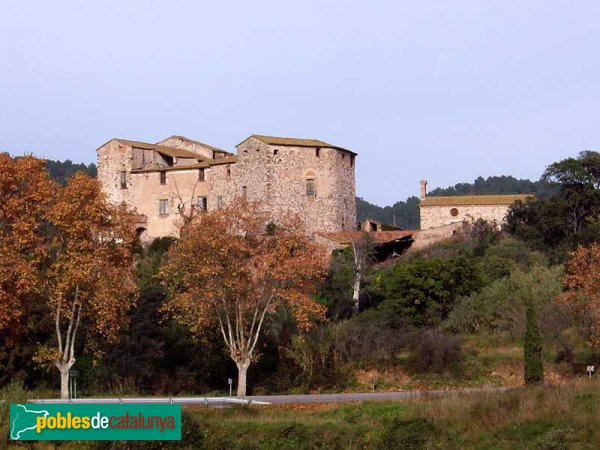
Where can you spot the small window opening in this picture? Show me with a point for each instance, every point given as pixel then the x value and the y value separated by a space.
pixel 244 191
pixel 201 175
pixel 163 177
pixel 220 201
pixel 202 203
pixel 123 179
pixel 311 190
pixel 276 152
pixel 454 212
pixel 318 152
pixel 163 207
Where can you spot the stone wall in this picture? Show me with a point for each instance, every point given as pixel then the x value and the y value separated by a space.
pixel 428 237
pixel 206 151
pixel 436 216
pixel 114 157
pixel 273 175
pixel 181 190
pixel 276 176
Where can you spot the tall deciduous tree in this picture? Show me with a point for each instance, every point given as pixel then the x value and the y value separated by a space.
pixel 567 217
pixel 89 271
pixel 26 193
pixel 582 285
pixel 230 270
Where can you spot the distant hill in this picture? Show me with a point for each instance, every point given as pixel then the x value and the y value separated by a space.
pixel 61 170
pixel 406 213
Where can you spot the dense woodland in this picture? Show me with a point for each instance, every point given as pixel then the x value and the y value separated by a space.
pixel 457 314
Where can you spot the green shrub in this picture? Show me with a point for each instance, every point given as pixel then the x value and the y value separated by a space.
pixel 192 436
pixel 499 307
pixel 370 337
pixel 12 393
pixel 424 290
pixel 435 351
pixel 504 256
pixel 407 434
pixel 556 440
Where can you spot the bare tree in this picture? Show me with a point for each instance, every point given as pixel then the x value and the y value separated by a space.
pixel 363 250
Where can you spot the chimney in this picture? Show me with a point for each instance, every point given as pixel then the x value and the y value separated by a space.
pixel 423 188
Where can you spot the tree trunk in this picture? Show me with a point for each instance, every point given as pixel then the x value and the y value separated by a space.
pixel 356 290
pixel 242 366
pixel 64 380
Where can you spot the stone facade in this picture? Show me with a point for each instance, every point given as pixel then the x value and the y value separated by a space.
pixel 441 211
pixel 163 182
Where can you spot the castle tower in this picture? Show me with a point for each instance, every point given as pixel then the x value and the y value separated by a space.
pixel 307 177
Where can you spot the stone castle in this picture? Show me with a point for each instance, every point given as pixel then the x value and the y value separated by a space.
pixel 166 181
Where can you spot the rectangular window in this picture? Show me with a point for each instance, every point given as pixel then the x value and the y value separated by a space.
pixel 163 177
pixel 352 161
pixel 123 178
pixel 220 201
pixel 202 203
pixel 228 171
pixel 318 152
pixel 201 175
pixel 244 191
pixel 311 190
pixel 163 207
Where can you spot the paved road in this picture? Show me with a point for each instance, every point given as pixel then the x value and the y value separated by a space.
pixel 283 399
pixel 370 396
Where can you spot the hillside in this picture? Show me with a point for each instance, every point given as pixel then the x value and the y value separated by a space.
pixel 61 170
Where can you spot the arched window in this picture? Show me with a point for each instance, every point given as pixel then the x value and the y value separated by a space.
pixel 311 183
pixel 311 188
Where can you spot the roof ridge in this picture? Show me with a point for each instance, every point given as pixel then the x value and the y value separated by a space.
pixel 178 136
pixel 293 142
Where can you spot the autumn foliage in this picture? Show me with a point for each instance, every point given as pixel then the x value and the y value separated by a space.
pixel 582 285
pixel 66 247
pixel 26 193
pixel 229 269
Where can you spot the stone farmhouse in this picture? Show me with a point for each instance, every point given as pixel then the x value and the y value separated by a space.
pixel 167 181
pixel 441 211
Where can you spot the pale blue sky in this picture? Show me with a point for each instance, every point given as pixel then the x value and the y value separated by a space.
pixel 443 90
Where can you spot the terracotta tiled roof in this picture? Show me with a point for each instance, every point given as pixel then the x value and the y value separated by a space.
pixel 379 237
pixel 474 200
pixel 183 138
pixel 294 142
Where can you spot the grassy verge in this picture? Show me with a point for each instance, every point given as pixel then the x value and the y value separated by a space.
pixel 535 418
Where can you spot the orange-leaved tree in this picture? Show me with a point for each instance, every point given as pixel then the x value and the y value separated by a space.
pixel 89 270
pixel 231 270
pixel 26 193
pixel 582 290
